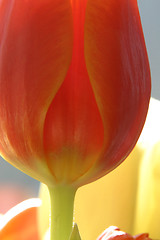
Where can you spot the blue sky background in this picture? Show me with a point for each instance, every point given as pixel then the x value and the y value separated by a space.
pixel 150 16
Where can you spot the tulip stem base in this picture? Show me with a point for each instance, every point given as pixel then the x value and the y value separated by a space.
pixel 62 204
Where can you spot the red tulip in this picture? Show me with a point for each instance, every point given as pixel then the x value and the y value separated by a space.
pixel 114 233
pixel 74 86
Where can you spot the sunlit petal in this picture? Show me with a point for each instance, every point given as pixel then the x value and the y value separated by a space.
pixel 119 72
pixel 35 52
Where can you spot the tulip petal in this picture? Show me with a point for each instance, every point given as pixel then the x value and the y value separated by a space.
pixel 118 68
pixel 35 52
pixel 73 132
pixel 114 233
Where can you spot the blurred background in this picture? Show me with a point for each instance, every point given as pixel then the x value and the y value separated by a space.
pixel 16 186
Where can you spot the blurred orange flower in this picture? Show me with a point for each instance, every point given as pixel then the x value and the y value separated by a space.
pixel 20 222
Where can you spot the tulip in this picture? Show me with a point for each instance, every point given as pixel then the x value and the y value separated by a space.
pixel 114 233
pixel 74 92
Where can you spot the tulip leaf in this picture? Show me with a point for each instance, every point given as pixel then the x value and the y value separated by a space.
pixel 75 233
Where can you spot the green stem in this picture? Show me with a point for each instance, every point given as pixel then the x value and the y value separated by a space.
pixel 62 203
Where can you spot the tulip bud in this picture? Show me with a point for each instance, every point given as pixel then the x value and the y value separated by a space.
pixel 74 86
pixel 74 89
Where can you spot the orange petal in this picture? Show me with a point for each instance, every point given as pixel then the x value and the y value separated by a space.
pixel 118 68
pixel 35 52
pixel 20 222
